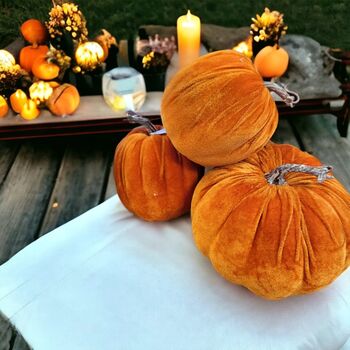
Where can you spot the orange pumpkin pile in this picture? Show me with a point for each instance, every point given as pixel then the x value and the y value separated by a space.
pixel 269 217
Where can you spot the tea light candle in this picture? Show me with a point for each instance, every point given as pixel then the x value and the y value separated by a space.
pixel 188 37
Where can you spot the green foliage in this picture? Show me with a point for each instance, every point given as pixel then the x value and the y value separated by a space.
pixel 323 20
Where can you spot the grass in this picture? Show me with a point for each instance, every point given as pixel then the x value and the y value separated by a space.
pixel 324 20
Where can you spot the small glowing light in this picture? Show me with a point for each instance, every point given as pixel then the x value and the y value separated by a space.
pixel 245 47
pixel 54 205
pixel 89 55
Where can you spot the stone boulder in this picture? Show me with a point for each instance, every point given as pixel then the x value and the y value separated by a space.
pixel 310 69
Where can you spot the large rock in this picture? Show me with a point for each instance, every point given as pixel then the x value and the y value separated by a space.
pixel 310 68
pixel 213 37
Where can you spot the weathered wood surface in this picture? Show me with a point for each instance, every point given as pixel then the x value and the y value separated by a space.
pixel 83 174
pixel 45 183
pixel 10 339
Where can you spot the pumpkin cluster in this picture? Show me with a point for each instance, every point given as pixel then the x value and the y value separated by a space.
pixel 55 52
pixel 269 217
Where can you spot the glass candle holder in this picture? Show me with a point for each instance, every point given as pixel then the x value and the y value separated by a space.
pixel 124 89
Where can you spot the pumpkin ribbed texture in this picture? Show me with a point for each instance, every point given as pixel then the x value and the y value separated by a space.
pixel 276 240
pixel 217 111
pixel 153 180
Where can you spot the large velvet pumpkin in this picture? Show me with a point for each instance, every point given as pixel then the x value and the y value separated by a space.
pixel 275 239
pixel 153 180
pixel 217 111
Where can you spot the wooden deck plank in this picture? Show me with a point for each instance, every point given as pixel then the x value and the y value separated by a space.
pixel 320 136
pixel 6 334
pixel 25 194
pixel 81 180
pixel 8 152
pixel 110 189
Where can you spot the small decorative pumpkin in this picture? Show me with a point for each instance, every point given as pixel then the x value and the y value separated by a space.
pixel 153 180
pixel 275 223
pixel 28 54
pixel 34 31
pixel 89 55
pixel 217 111
pixel 30 110
pixel 106 40
pixel 271 61
pixel 64 100
pixel 42 69
pixel 17 100
pixel 6 60
pixel 4 108
pixel 40 92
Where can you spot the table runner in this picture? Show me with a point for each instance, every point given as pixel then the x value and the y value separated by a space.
pixel 107 280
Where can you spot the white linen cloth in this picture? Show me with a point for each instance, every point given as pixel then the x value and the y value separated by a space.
pixel 108 280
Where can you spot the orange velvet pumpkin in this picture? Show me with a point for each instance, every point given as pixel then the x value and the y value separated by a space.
pixel 275 239
pixel 217 111
pixel 64 100
pixel 28 54
pixel 42 69
pixel 271 61
pixel 34 31
pixel 153 180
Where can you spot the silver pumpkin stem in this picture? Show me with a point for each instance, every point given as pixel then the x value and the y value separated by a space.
pixel 276 176
pixel 135 118
pixel 290 98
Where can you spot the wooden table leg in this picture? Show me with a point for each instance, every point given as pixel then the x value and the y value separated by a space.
pixel 344 118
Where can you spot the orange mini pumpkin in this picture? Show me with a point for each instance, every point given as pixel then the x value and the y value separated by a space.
pixel 271 61
pixel 28 54
pixel 64 100
pixel 30 110
pixel 217 111
pixel 277 238
pixel 153 180
pixel 4 108
pixel 42 69
pixel 34 31
pixel 17 100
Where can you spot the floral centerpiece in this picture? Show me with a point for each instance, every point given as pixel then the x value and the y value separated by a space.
pixel 153 58
pixel 267 29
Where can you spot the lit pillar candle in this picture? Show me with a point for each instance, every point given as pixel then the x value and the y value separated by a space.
pixel 188 38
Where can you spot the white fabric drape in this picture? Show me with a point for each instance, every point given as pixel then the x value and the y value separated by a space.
pixel 108 280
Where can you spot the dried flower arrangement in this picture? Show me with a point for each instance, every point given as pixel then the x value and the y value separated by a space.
pixel 156 53
pixel 268 27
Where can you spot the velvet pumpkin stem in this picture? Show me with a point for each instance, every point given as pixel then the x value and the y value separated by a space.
pixel 276 176
pixel 290 98
pixel 139 119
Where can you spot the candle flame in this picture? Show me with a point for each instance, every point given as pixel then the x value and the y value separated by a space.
pixel 189 15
